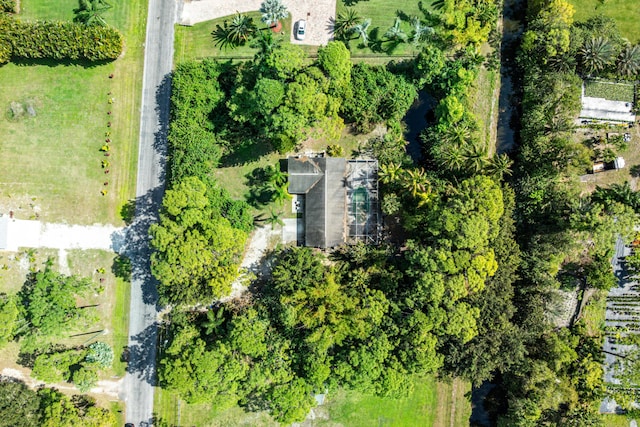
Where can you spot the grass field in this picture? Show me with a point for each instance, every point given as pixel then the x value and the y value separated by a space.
pixel 196 42
pixel 625 12
pixel 430 404
pixel 51 164
pixel 383 14
pixel 609 90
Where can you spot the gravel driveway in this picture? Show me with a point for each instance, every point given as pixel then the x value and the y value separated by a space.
pixel 319 15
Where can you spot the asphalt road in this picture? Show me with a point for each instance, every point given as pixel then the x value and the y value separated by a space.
pixel 141 373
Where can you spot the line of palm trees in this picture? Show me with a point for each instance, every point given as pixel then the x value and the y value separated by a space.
pixel 598 53
pixel 348 25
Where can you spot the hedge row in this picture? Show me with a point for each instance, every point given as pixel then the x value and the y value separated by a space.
pixel 8 6
pixel 57 40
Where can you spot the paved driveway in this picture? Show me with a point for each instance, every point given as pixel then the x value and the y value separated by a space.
pixel 319 15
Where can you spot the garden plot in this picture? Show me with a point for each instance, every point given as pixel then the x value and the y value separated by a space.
pixel 622 320
pixel 607 101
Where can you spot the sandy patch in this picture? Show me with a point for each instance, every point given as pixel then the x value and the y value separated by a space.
pixel 35 234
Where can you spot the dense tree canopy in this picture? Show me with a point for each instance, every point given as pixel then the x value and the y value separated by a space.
pixel 197 251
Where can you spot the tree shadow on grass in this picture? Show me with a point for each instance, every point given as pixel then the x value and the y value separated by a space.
pixel 50 62
pixel 246 153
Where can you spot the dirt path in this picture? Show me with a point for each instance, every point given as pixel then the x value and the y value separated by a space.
pixel 103 387
pixel 252 264
pixel 35 234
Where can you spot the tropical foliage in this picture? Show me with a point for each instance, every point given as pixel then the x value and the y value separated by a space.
pixel 273 11
pixel 90 12
pixel 58 40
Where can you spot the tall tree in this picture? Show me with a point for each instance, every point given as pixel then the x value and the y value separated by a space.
pixel 345 22
pixel 629 60
pixel 234 33
pixel 197 252
pixel 596 54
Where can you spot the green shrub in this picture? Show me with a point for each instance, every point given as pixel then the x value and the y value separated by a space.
pixel 9 6
pixel 58 40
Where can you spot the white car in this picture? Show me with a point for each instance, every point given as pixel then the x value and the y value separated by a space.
pixel 301 29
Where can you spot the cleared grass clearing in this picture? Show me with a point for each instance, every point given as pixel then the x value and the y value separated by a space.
pixel 609 90
pixel 53 159
pixel 626 13
pixel 483 100
pixel 383 14
pixel 196 42
pixel 430 404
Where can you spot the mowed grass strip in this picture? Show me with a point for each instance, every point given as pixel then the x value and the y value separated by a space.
pixel 54 158
pixel 626 13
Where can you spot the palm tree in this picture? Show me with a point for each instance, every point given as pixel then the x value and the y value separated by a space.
pixel 265 44
pixel 416 181
pixel 274 219
pixel 475 157
pixel 395 33
pixel 280 194
pixel 276 177
pixel 389 173
pixel 90 12
pixel 596 53
pixel 458 133
pixel 629 60
pixel 362 29
pixel 272 12
pixel 235 33
pixel 420 31
pixel 215 319
pixel 344 23
pixel 449 156
pixel 499 165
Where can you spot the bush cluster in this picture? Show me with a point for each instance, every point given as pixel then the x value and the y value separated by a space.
pixel 9 6
pixel 57 40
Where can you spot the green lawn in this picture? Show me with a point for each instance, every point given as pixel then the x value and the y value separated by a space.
pixel 609 90
pixel 430 404
pixel 51 164
pixel 383 14
pixel 625 12
pixel 354 409
pixel 616 421
pixel 196 42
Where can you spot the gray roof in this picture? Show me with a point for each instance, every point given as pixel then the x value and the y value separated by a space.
pixel 321 180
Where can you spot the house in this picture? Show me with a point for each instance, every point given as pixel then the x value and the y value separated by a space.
pixel 338 199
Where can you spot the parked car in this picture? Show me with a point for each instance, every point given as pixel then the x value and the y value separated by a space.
pixel 301 29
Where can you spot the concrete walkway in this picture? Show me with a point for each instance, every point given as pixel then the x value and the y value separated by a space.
pixel 319 15
pixel 35 234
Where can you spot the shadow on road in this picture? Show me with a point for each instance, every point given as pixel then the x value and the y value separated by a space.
pixel 163 107
pixel 141 360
